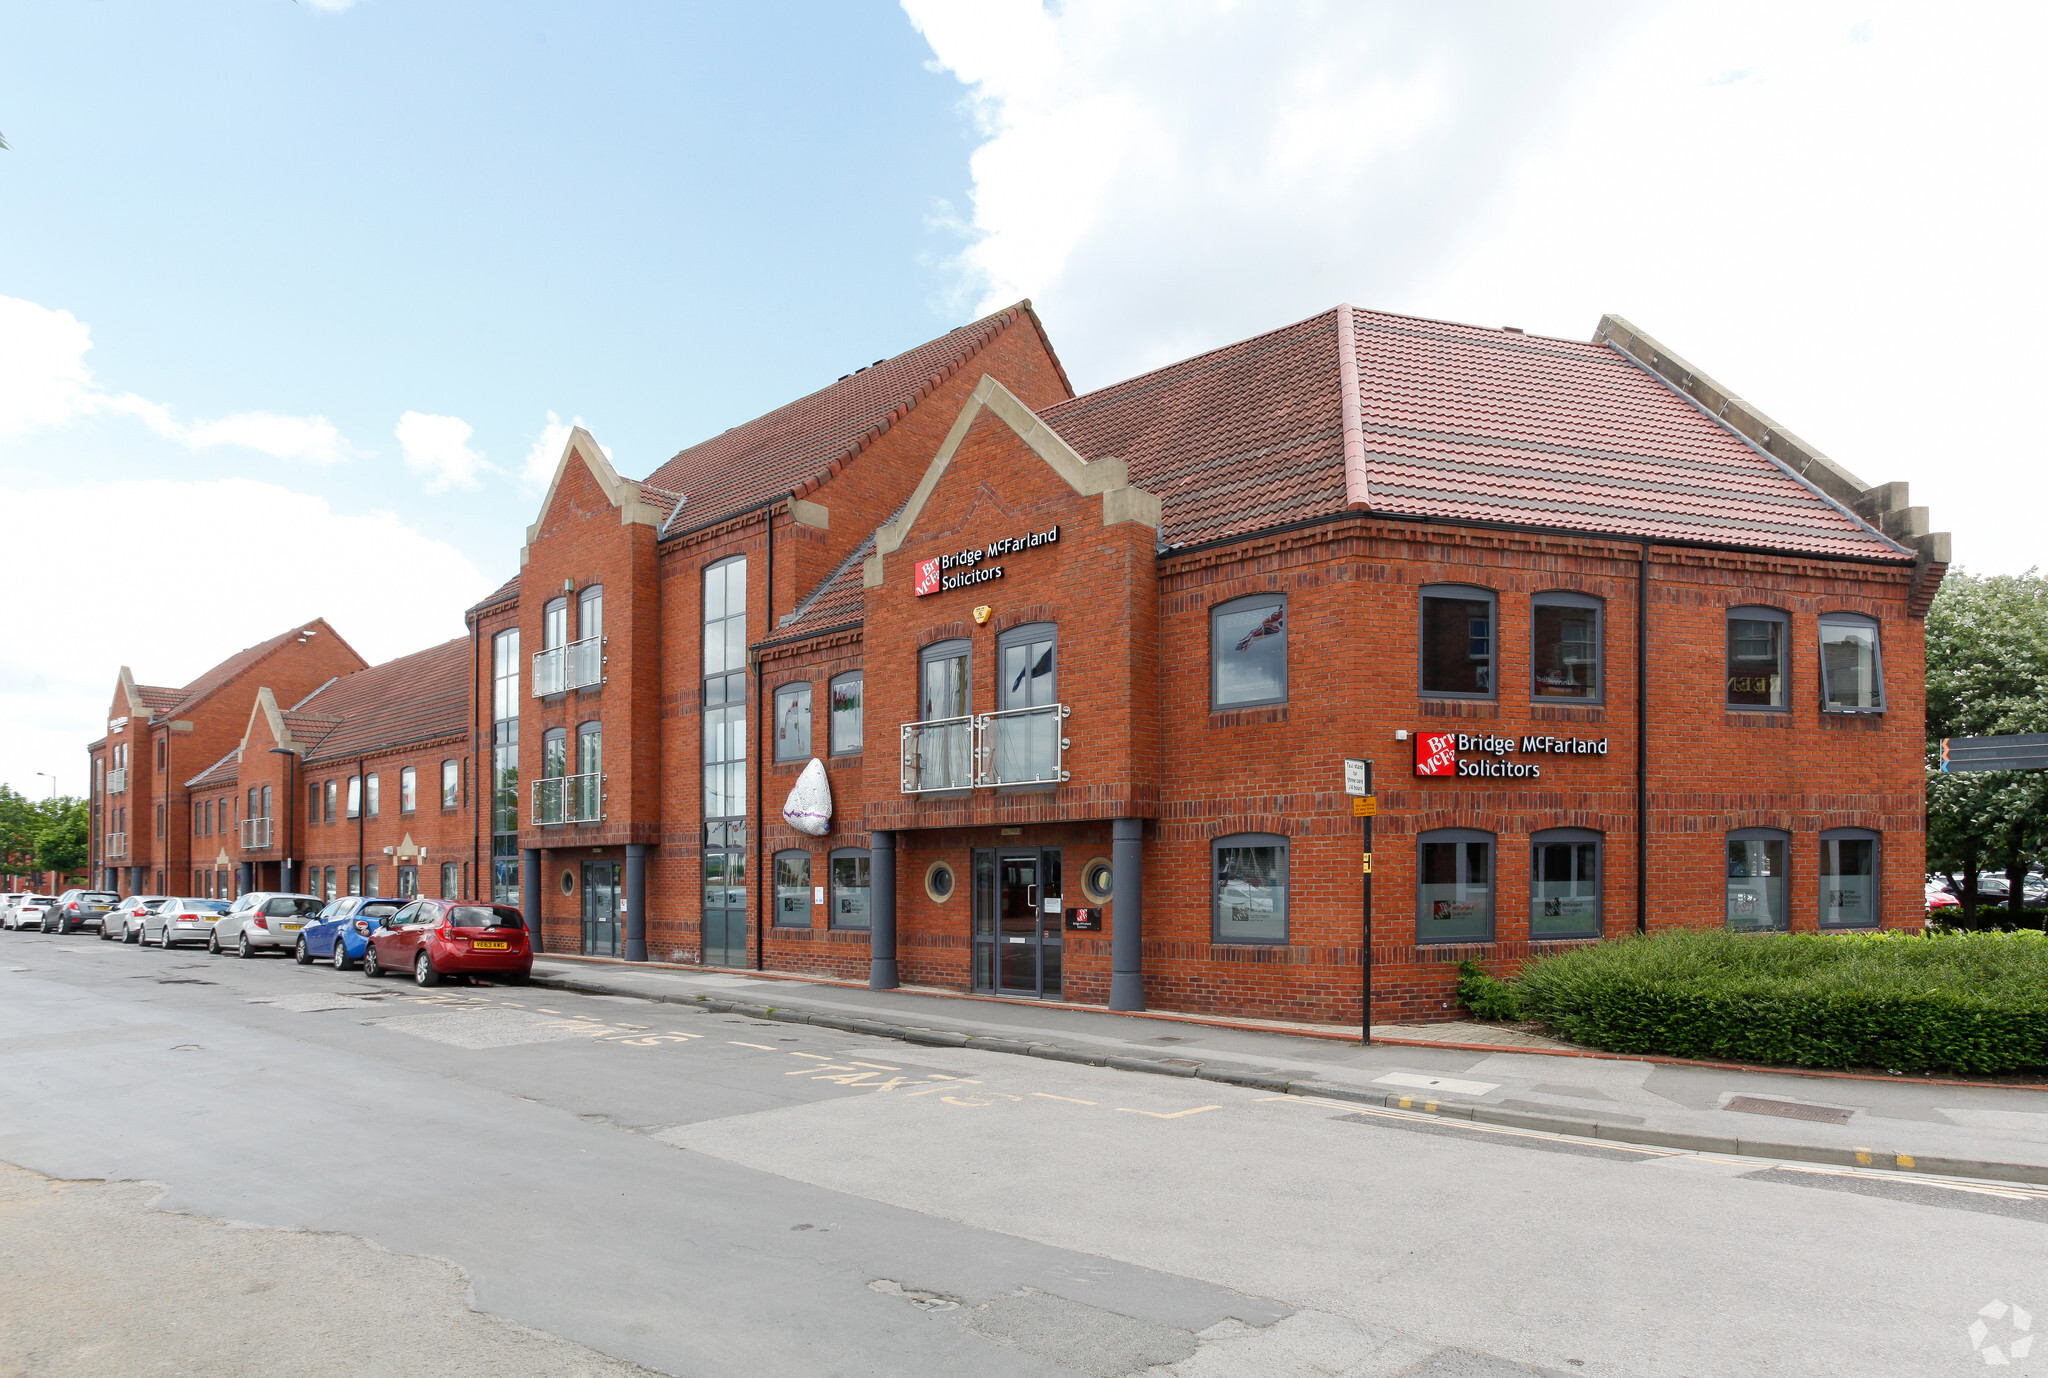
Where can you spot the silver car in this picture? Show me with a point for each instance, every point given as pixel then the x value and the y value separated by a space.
pixel 178 921
pixel 125 922
pixel 264 919
pixel 28 912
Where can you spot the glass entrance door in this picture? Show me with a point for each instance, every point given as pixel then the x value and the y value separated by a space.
pixel 1017 922
pixel 725 906
pixel 600 908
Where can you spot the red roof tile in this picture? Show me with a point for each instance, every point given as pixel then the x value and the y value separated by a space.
pixel 794 447
pixel 414 698
pixel 226 768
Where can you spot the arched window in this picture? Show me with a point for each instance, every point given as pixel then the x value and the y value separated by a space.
pixel 1248 651
pixel 554 624
pixel 793 722
pixel 1759 861
pixel 590 612
pixel 793 889
pixel 1564 883
pixel 1454 886
pixel 1248 888
pixel 1851 666
pixel 1848 878
pixel 846 727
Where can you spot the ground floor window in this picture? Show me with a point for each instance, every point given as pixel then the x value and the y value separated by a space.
pixel 505 868
pixel 327 890
pixel 1454 891
pixel 1564 884
pixel 1757 868
pixel 408 882
pixel 370 881
pixel 451 880
pixel 1249 888
pixel 849 896
pixel 792 889
pixel 1848 878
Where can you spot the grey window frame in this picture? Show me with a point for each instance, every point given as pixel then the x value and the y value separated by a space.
pixel 1461 836
pixel 590 593
pixel 1570 598
pixel 547 740
pixel 1545 837
pixel 810 695
pixel 355 797
pixel 1286 846
pixel 373 795
pixel 1466 593
pixel 1757 612
pixel 1027 631
pixel 951 647
pixel 1784 881
pixel 448 891
pixel 451 767
pixel 832 746
pixel 832 888
pixel 1242 604
pixel 1848 619
pixel 552 636
pixel 408 789
pixel 775 918
pixel 1876 840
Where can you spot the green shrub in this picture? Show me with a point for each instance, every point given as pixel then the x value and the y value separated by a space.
pixel 1962 1002
pixel 1485 996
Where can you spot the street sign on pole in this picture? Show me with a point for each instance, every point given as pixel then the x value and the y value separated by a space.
pixel 1354 777
pixel 1363 796
pixel 2022 751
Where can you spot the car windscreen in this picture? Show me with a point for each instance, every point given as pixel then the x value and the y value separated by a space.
pixel 99 897
pixel 381 909
pixel 151 906
pixel 484 916
pixel 205 906
pixel 290 906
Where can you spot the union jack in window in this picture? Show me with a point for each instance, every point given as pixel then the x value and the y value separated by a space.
pixel 1274 624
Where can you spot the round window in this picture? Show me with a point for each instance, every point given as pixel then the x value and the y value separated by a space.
pixel 1098 880
pixel 938 881
pixel 568 882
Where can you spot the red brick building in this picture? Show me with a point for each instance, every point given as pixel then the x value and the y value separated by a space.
pixel 1621 652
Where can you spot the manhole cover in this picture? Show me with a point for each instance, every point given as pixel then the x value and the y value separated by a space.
pixel 1788 1109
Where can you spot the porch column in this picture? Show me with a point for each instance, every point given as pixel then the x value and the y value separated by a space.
pixel 635 947
pixel 1127 914
pixel 882 911
pixel 242 885
pixel 529 893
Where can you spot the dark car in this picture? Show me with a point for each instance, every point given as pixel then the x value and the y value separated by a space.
pixel 438 938
pixel 75 909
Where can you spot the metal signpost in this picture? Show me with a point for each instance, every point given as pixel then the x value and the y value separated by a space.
pixel 2024 751
pixel 1358 784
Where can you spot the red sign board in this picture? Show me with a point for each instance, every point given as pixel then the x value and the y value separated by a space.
pixel 926 579
pixel 1436 753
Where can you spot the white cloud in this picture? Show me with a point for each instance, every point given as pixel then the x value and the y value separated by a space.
pixel 197 606
pixel 45 382
pixel 538 471
pixel 331 6
pixel 1831 209
pixel 437 449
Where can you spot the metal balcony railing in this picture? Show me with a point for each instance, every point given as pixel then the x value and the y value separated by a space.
pixel 117 781
pixel 114 844
pixel 255 834
pixel 1019 746
pixel 577 665
pixel 569 799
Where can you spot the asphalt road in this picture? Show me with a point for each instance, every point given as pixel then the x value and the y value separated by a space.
pixel 505 1180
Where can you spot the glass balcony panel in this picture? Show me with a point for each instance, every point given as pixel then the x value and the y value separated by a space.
pixel 1024 746
pixel 938 755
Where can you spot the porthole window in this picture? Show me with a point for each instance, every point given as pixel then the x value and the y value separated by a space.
pixel 568 882
pixel 938 881
pixel 1098 880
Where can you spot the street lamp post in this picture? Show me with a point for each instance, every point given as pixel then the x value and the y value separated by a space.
pixel 53 782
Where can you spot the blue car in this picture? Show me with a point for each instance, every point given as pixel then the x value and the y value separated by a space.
pixel 340 931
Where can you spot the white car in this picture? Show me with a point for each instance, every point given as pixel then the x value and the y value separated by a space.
pixel 28 912
pixel 264 919
pixel 124 922
pixel 181 921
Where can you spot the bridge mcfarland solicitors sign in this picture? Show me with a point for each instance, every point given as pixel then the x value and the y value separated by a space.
pixel 1475 756
pixel 975 566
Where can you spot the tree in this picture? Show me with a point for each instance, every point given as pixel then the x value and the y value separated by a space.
pixel 62 838
pixel 20 821
pixel 1987 674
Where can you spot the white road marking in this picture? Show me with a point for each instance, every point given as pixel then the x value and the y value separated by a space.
pixel 1423 1083
pixel 1166 1115
pixel 1073 1100
pixel 762 1046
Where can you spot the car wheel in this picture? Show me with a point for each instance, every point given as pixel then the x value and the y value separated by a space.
pixel 135 935
pixel 423 971
pixel 213 945
pixel 371 968
pixel 340 957
pixel 103 932
pixel 300 954
pixel 164 939
pixel 245 949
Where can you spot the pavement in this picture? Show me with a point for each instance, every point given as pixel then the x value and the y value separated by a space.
pixel 1985 1131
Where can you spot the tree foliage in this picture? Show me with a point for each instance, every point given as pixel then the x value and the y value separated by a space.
pixel 1987 675
pixel 42 835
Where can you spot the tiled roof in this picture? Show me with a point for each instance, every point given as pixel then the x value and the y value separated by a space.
pixel 410 699
pixel 236 664
pixel 1457 422
pixel 797 446
pixel 508 589
pixel 226 768
pixel 837 600
pixel 158 699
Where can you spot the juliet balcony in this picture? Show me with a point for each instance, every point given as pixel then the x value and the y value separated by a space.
pixel 117 780
pixel 113 845
pixel 578 665
pixel 1018 747
pixel 569 799
pixel 255 834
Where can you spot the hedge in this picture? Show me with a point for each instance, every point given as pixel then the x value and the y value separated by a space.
pixel 1972 1003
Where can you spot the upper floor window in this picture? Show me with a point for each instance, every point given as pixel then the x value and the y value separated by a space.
pixel 1454 890
pixel 355 796
pixel 1025 656
pixel 792 889
pixel 373 795
pixel 327 809
pixel 1756 657
pixel 1757 870
pixel 947 690
pixel 725 616
pixel 589 748
pixel 312 801
pixel 590 612
pixel 554 753
pixel 1566 633
pixel 1025 747
pixel 1457 641
pixel 1248 888
pixel 846 718
pixel 505 675
pixel 1248 651
pixel 554 624
pixel 408 790
pixel 451 784
pixel 266 803
pixel 1851 671
pixel 1564 883
pixel 793 722
pixel 944 755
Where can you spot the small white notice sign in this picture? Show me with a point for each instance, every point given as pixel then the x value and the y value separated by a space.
pixel 1354 776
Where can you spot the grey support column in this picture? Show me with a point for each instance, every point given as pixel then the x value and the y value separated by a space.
pixel 242 886
pixel 882 911
pixel 529 893
pixel 1127 915
pixel 635 946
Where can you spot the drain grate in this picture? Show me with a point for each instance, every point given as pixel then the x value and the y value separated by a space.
pixel 1788 1109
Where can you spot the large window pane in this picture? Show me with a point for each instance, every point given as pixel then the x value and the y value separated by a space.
pixel 1455 896
pixel 1850 681
pixel 850 890
pixel 1251 890
pixel 1756 884
pixel 792 890
pixel 1564 889
pixel 1248 652
pixel 1457 645
pixel 1567 651
pixel 1756 662
pixel 1848 882
pixel 846 715
pixel 793 722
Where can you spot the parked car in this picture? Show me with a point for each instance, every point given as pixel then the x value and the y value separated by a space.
pixel 75 909
pixel 176 921
pixel 125 920
pixel 28 912
pixel 7 902
pixel 1938 898
pixel 263 919
pixel 342 930
pixel 439 938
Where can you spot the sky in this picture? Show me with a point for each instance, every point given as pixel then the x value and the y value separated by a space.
pixel 298 300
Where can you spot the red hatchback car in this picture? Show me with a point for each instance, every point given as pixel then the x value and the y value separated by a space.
pixel 437 938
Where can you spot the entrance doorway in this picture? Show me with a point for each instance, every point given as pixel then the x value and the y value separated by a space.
pixel 725 906
pixel 1017 914
pixel 600 908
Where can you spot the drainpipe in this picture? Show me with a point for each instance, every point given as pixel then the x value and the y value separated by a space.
pixel 1642 745
pixel 476 822
pixel 760 721
pixel 362 812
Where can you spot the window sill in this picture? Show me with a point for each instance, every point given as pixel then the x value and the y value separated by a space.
pixel 1460 708
pixel 1248 717
pixel 1758 717
pixel 1551 710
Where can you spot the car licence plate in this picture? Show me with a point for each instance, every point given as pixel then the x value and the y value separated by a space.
pixel 500 947
pixel 293 927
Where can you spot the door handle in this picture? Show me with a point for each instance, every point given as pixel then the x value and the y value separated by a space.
pixel 1033 889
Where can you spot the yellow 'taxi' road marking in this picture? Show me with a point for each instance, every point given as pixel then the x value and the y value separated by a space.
pixel 1162 1115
